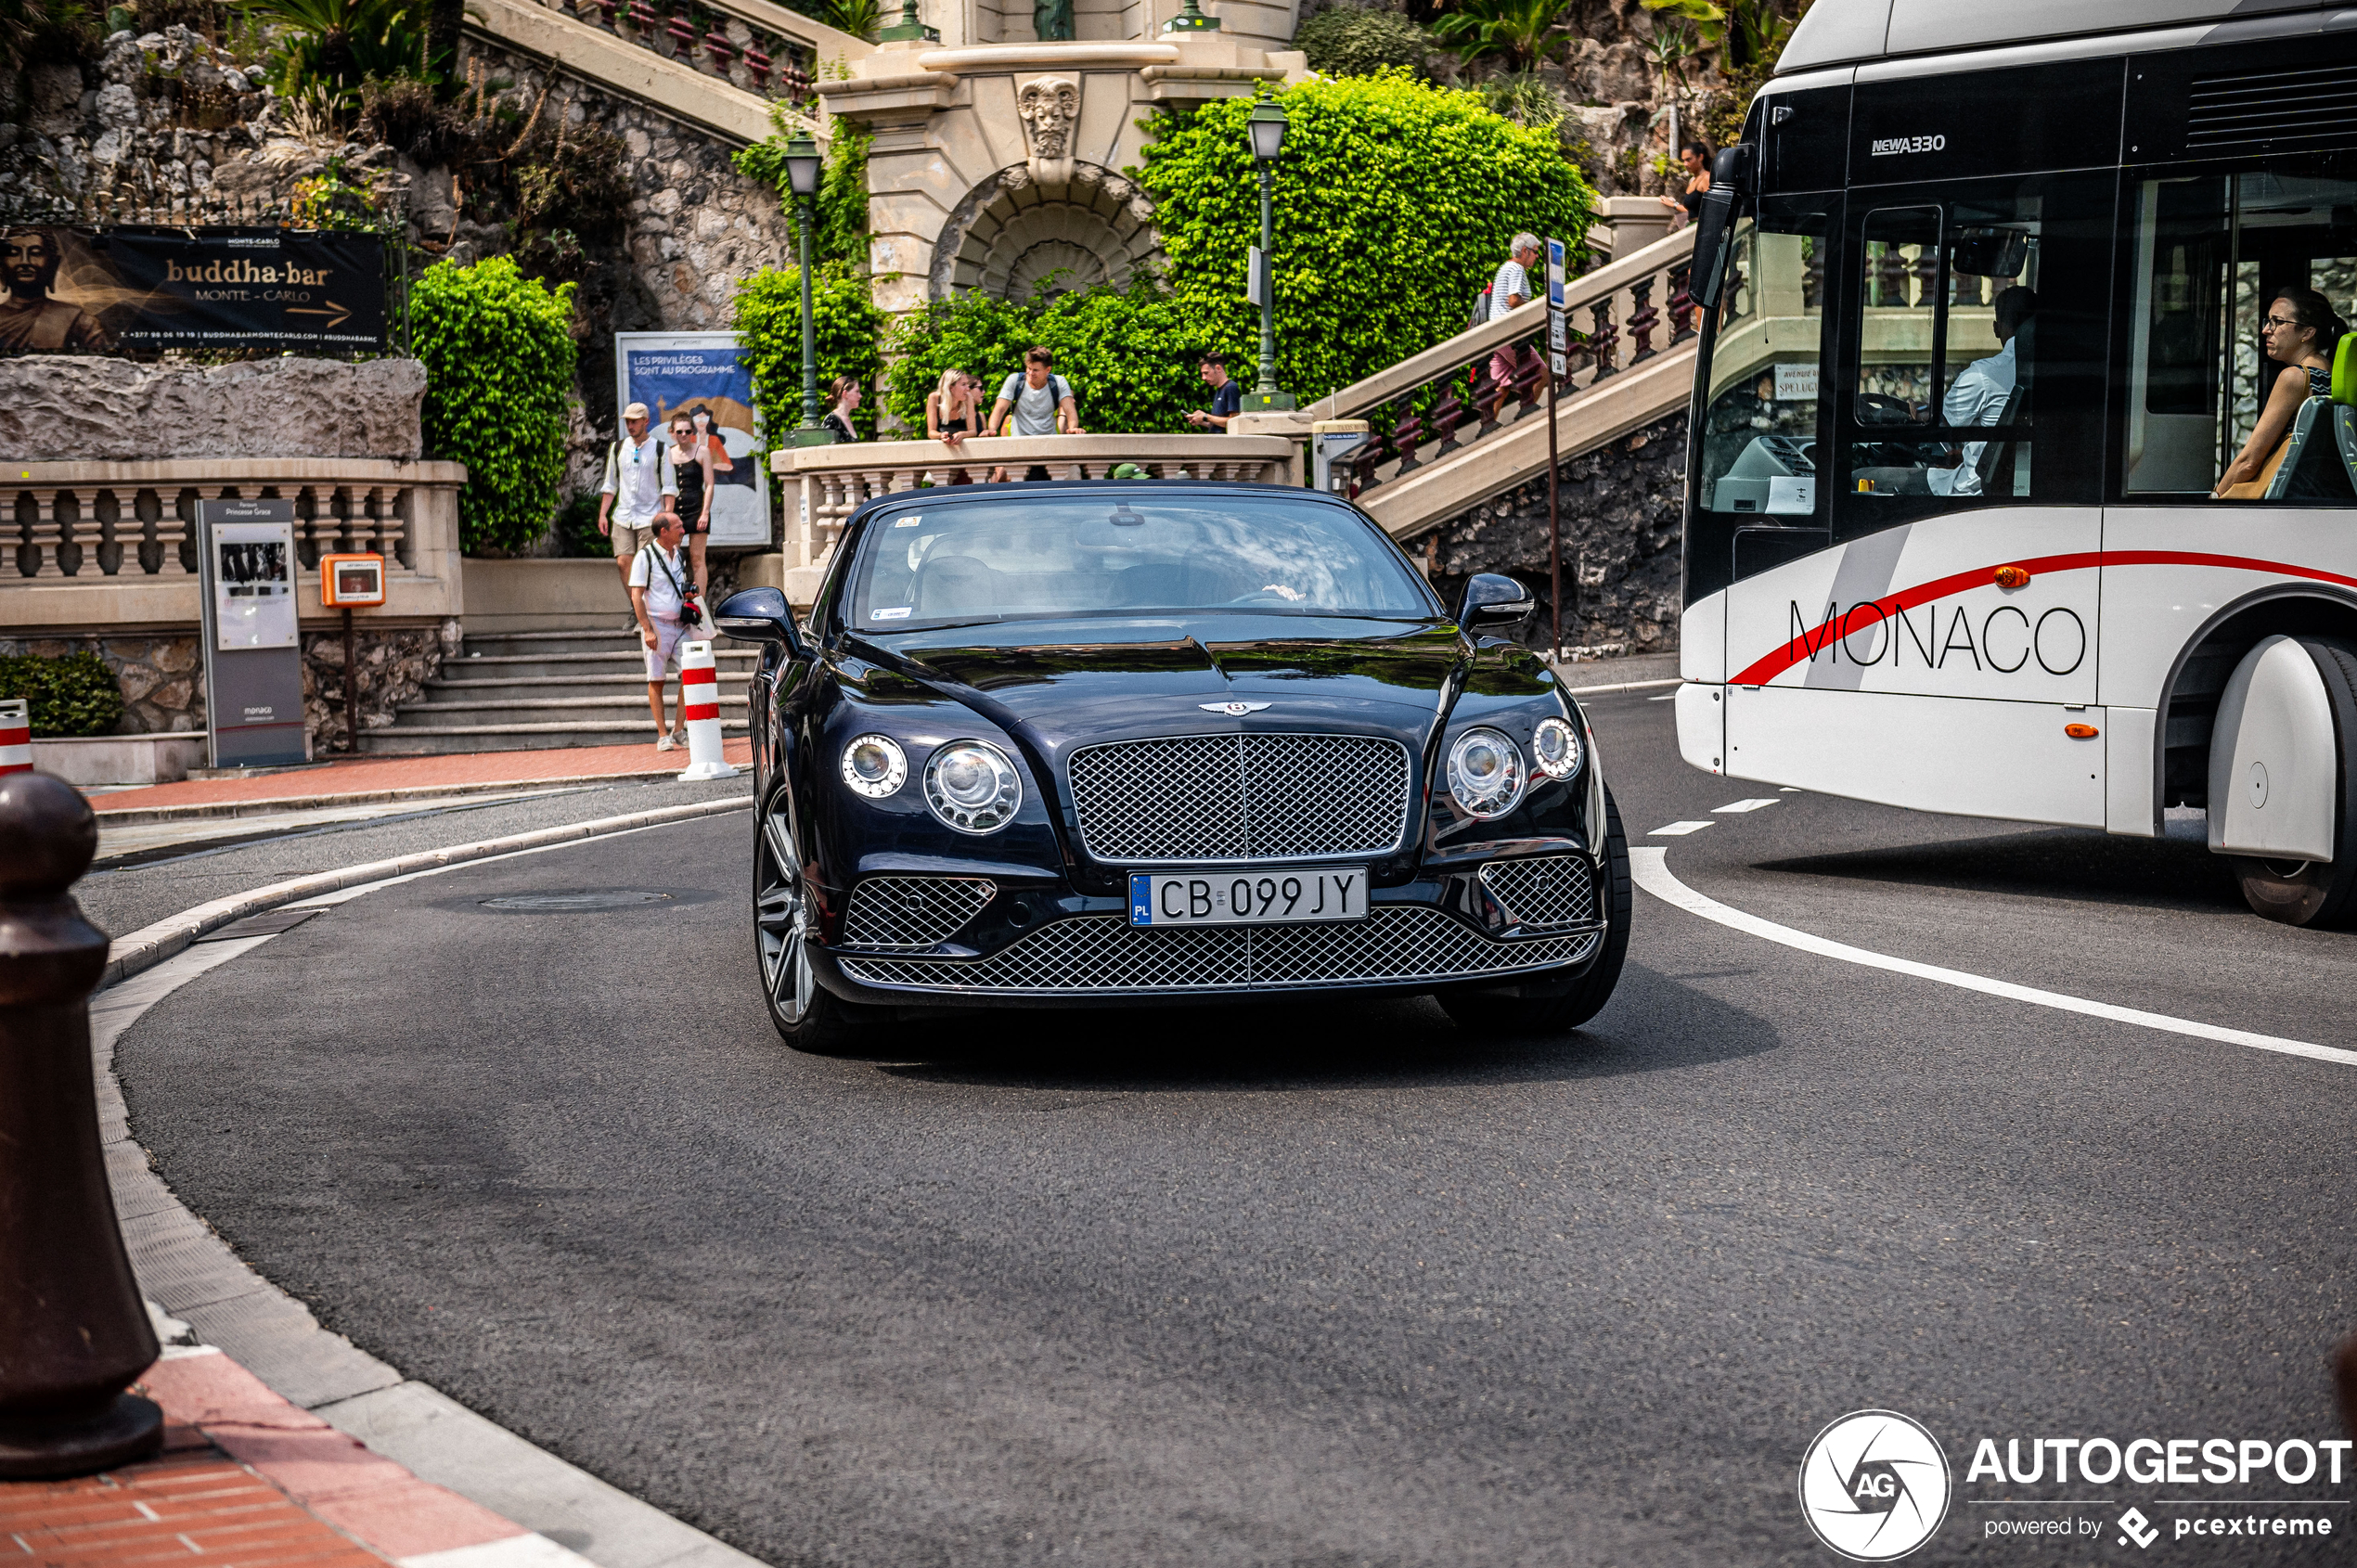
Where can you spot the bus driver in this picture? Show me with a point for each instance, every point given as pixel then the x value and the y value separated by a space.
pixel 1978 395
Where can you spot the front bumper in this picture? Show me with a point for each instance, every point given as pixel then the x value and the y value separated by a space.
pixel 1046 944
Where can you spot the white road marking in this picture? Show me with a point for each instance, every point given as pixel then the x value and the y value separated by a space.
pixel 1746 805
pixel 1677 830
pixel 1794 789
pixel 1649 867
pixel 1623 686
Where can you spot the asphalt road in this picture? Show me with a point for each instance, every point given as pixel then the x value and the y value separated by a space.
pixel 1323 1284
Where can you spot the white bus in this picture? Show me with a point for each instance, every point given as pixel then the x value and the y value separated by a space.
pixel 1987 287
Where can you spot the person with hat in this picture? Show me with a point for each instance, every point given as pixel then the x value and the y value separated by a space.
pixel 640 487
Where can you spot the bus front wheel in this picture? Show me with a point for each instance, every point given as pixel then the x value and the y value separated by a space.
pixel 2318 892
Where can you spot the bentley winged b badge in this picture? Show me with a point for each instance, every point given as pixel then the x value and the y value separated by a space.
pixel 1233 710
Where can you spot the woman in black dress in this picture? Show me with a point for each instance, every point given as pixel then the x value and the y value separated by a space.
pixel 845 391
pixel 1696 160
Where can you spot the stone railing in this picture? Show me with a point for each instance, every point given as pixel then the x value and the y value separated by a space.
pixel 1436 404
pixel 113 545
pixel 831 481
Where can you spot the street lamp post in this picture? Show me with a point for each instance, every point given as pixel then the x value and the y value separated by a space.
pixel 802 172
pixel 1267 124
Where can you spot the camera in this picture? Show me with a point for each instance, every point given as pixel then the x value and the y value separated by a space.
pixel 691 606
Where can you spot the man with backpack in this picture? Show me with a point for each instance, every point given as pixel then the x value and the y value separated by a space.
pixel 1040 402
pixel 1509 289
pixel 638 488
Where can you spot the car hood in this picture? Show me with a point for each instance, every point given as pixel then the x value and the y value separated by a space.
pixel 1061 685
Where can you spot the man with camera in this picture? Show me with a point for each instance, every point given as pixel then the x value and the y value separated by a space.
pixel 662 596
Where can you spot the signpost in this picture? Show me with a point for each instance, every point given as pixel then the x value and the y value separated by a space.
pixel 1558 351
pixel 344 581
pixel 252 649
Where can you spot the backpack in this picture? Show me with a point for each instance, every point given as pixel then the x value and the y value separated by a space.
pixel 1480 308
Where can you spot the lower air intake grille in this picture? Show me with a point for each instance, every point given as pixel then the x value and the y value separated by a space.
pixel 1546 893
pixel 1104 953
pixel 912 911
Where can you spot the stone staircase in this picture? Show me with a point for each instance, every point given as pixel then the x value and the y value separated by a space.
pixel 528 690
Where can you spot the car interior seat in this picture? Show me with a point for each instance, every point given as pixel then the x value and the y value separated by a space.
pixel 956 585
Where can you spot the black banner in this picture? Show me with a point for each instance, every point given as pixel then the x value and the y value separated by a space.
pixel 78 290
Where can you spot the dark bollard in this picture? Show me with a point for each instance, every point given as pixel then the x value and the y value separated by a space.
pixel 74 1330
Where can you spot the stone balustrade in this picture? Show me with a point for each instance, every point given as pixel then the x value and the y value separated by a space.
pixel 92 547
pixel 833 481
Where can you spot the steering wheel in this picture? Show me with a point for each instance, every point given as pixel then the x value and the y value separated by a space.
pixel 1263 596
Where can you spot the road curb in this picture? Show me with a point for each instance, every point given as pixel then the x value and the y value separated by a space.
pixel 150 945
pixel 197 810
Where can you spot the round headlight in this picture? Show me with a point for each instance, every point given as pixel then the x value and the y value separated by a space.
pixel 875 765
pixel 972 786
pixel 1485 772
pixel 1554 745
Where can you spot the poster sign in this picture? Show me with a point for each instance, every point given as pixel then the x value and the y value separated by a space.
pixel 252 648
pixel 75 290
pixel 671 371
pixel 1796 383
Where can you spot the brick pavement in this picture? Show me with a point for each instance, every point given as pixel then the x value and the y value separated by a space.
pixel 375 778
pixel 247 1479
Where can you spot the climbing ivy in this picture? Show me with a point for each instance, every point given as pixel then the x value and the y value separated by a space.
pixel 840 233
pixel 768 328
pixel 1394 204
pixel 498 352
pixel 1129 354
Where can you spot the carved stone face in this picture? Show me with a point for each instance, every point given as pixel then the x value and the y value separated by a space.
pixel 1049 107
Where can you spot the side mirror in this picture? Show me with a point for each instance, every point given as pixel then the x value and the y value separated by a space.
pixel 1730 182
pixel 1495 604
pixel 759 615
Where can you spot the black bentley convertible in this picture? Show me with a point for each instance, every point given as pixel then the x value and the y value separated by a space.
pixel 1062 743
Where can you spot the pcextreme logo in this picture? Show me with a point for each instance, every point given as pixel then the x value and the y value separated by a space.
pixel 1874 1486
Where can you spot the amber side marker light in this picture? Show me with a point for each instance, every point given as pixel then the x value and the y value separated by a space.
pixel 2081 731
pixel 2012 577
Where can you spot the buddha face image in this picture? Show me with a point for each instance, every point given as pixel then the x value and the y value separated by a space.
pixel 30 319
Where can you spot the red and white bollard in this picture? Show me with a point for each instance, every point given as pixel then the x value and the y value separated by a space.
pixel 700 711
pixel 16 736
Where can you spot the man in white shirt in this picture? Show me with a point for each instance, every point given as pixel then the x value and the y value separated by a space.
pixel 657 580
pixel 1978 393
pixel 1510 289
pixel 638 488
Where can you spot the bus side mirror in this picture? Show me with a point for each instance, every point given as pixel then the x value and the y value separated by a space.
pixel 1730 182
pixel 759 615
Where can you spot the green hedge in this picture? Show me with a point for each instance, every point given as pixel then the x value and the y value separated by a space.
pixel 1349 42
pixel 498 352
pixel 768 328
pixel 75 694
pixel 1395 202
pixel 1129 354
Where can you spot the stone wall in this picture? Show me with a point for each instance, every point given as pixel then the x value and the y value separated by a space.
pixel 86 409
pixel 1620 508
pixel 162 677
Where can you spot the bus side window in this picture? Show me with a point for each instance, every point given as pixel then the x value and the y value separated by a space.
pixel 2209 253
pixel 1976 329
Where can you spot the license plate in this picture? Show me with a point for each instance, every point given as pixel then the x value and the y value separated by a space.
pixel 1236 898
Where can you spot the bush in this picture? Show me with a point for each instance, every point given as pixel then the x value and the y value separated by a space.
pixel 841 232
pixel 75 694
pixel 768 328
pixel 1129 353
pixel 1394 204
pixel 576 527
pixel 498 353
pixel 1347 42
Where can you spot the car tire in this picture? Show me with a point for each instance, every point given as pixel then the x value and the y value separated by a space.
pixel 1584 997
pixel 2317 892
pixel 807 1015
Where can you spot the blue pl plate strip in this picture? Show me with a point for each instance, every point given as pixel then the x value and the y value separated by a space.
pixel 1141 899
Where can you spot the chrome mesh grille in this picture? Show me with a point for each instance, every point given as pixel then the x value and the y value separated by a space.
pixel 912 911
pixel 1545 892
pixel 1240 797
pixel 1105 953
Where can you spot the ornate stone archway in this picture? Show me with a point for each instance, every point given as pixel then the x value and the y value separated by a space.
pixel 1014 230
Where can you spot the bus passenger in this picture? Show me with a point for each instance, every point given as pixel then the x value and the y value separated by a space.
pixel 2299 334
pixel 1978 395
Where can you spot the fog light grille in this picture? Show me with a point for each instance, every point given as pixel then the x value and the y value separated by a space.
pixel 912 911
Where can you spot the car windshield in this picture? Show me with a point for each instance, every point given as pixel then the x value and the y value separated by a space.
pixel 1124 553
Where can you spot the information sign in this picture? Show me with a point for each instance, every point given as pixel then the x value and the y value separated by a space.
pixel 252 645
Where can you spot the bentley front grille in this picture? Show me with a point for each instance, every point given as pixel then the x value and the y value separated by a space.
pixel 1104 953
pixel 1198 798
pixel 912 911
pixel 1545 892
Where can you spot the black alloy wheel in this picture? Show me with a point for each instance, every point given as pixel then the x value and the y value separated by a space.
pixel 807 1015
pixel 2318 892
pixel 1586 996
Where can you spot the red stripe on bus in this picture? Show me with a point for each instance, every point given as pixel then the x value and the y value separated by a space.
pixel 1815 638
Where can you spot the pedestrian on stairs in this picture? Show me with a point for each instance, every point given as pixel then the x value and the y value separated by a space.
pixel 659 591
pixel 1508 291
pixel 638 488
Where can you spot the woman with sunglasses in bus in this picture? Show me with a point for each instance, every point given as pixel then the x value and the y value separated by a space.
pixel 2300 333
